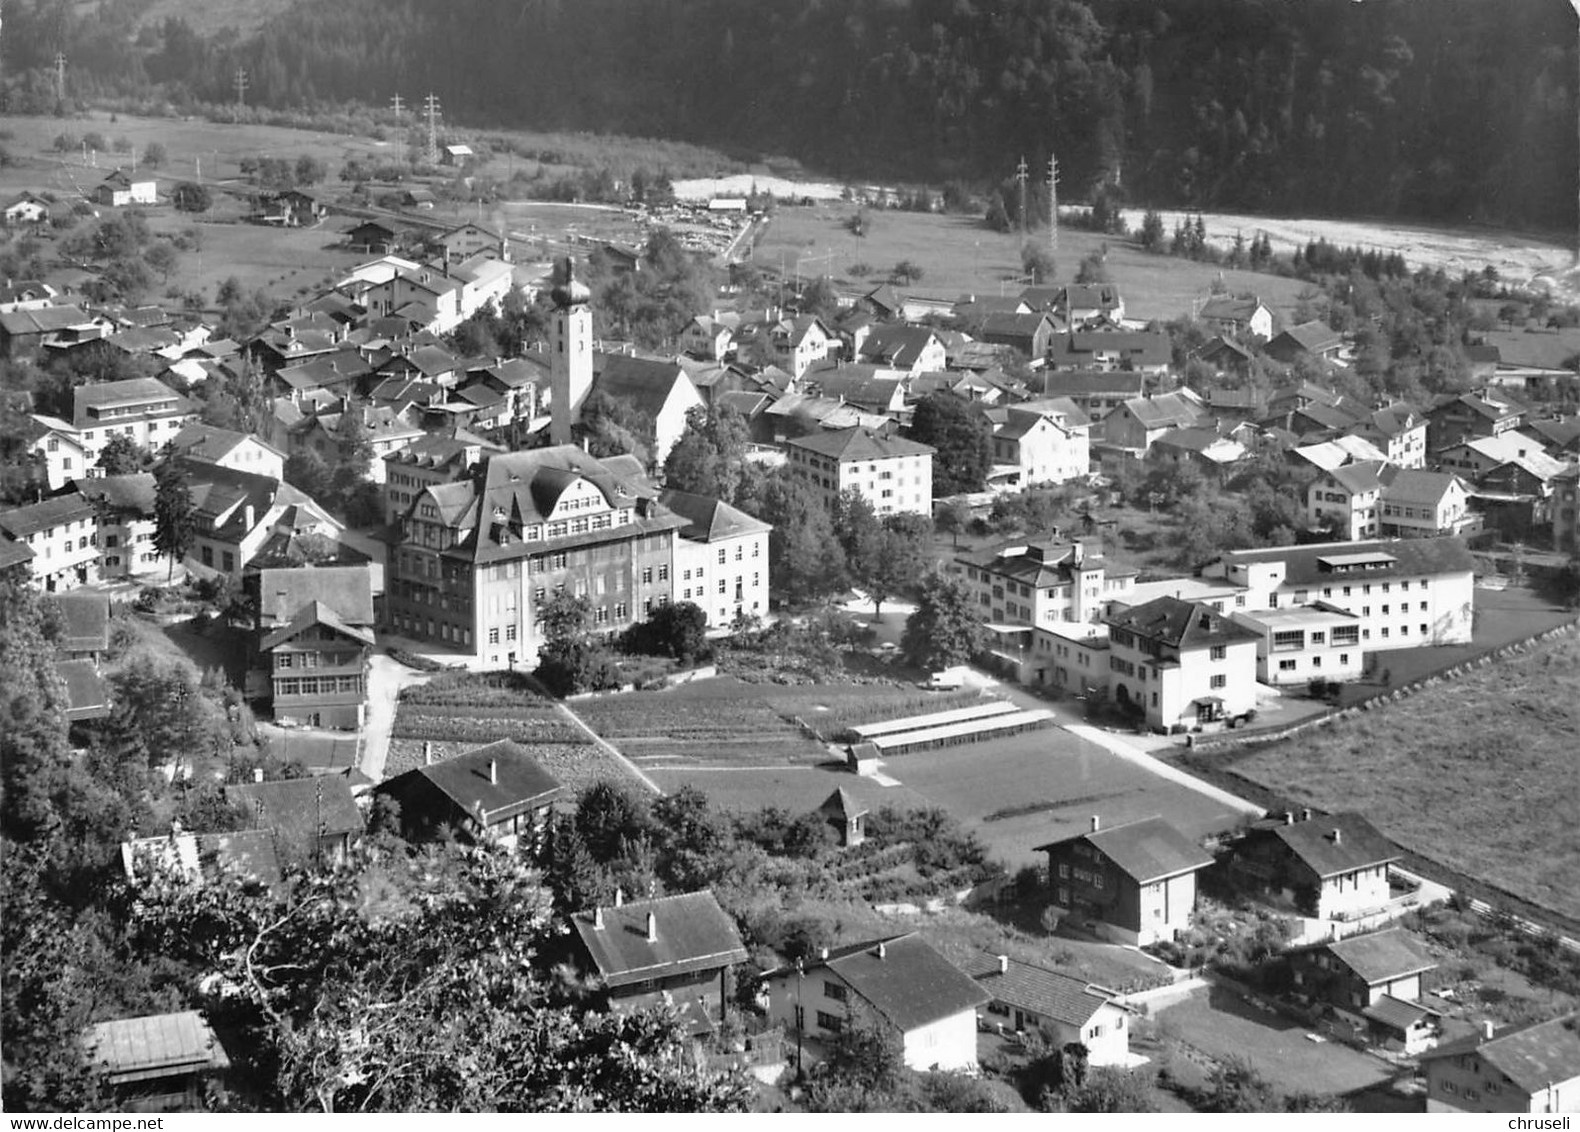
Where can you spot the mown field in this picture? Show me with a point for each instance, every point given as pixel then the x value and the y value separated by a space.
pixel 960 255
pixel 1481 773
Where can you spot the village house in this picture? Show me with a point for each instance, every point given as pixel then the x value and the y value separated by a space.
pixel 156 1062
pixel 125 508
pixel 1042 585
pixel 1421 504
pixel 1030 999
pixel 1180 664
pixel 25 208
pixel 847 816
pixel 1316 340
pixel 711 336
pixel 1456 418
pixel 63 535
pixel 1399 432
pixel 908 349
pixel 239 515
pixel 1534 1068
pixel 202 858
pixel 1347 500
pixel 223 448
pixel 1237 316
pixel 673 951
pixel 471 239
pixel 316 626
pixel 497 793
pixel 1072 657
pixel 119 189
pixel 721 558
pixel 1405 591
pixel 1360 973
pixel 1133 883
pixel 1327 866
pixel 1136 423
pixel 432 459
pixel 870 389
pixel 1079 304
pixel 1028 334
pixel 312 819
pixel 1040 443
pixel 288 208
pixel 1096 392
pixel 900 983
pixel 1141 351
pixel 893 474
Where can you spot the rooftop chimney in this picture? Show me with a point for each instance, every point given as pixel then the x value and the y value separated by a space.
pixel 1305 814
pixel 1338 836
pixel 427 752
pixel 1003 964
pixel 1289 817
pixel 619 897
pixel 1097 823
pixel 1488 1029
pixel 652 927
pixel 883 950
pixel 597 918
pixel 257 774
pixel 493 772
pixel 822 953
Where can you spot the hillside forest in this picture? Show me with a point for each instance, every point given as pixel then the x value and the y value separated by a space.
pixel 1455 110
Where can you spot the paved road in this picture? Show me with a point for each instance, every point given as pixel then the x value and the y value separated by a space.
pixel 386 678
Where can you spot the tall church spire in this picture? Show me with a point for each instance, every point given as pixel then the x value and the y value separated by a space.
pixel 570 360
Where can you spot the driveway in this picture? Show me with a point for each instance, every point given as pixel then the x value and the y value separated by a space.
pixel 386 678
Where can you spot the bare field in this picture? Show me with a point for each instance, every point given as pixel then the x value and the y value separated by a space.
pixel 1480 773
pixel 960 255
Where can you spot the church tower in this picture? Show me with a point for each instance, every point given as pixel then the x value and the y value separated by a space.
pixel 570 359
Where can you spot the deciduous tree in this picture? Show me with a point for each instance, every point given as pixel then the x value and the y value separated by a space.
pixel 944 631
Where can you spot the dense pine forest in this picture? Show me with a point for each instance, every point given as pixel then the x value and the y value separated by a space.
pixel 1440 109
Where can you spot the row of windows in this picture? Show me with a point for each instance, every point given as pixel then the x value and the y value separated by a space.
pixel 317 685
pixel 313 659
pixel 1316 662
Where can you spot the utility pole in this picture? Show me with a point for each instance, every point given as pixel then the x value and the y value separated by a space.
pixel 431 103
pixel 1053 203
pixel 241 90
pixel 1021 177
pixel 1575 4
pixel 60 77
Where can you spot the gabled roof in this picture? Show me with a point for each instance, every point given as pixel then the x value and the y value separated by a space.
pixel 1357 845
pixel 1086 383
pixel 131 393
pixel 42 320
pixel 1136 347
pixel 300 810
pixel 1048 994
pixel 1394 420
pixel 643 383
pixel 1380 956
pixel 1413 485
pixel 1166 410
pixel 708 519
pixel 843 804
pixel 154 1046
pixel 87 694
pixel 900 346
pixel 1359 477
pixel 314 613
pixel 1396 1013
pixel 1146 850
pixel 86 621
pixel 204 442
pixel 19 522
pixel 1233 308
pixel 905 980
pixel 493 783
pixel 859 444
pixel 1014 324
pixel 1513 448
pixel 692 933
pixel 1533 1057
pixel 1314 337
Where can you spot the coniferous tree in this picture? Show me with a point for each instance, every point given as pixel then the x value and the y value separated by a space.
pixel 175 516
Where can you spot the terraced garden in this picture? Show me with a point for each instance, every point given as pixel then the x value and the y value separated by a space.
pixel 454 713
pixel 729 721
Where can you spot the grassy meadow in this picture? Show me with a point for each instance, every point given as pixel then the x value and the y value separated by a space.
pixel 960 255
pixel 1481 773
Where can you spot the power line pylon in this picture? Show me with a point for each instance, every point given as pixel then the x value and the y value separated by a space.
pixel 1021 176
pixel 242 84
pixel 431 105
pixel 60 77
pixel 1053 203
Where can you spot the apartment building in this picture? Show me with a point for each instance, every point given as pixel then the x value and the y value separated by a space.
pixel 1403 591
pixel 1043 585
pixel 721 558
pixel 893 474
pixel 143 409
pixel 63 534
pixel 1183 664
